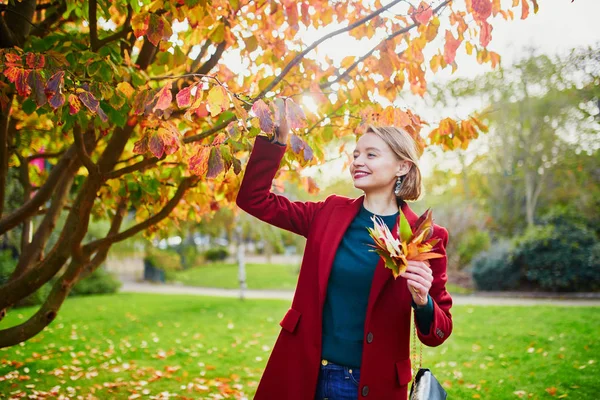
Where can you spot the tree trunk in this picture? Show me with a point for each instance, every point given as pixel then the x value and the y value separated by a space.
pixel 241 259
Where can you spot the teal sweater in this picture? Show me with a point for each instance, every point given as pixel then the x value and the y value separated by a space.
pixel 348 290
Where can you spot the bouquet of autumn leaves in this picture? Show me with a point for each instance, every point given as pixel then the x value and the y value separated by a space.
pixel 409 246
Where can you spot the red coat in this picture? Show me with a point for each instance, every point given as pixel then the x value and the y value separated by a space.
pixel 293 367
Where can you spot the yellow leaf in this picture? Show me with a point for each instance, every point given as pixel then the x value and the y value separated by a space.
pixel 218 100
pixel 126 89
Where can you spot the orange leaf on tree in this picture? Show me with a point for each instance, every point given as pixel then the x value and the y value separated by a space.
pixel 218 100
pixel 423 13
pixel 524 9
pixel 295 115
pixel 265 117
pixel 486 34
pixel 163 98
pixel 450 47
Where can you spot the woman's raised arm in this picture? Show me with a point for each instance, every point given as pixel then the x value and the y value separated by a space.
pixel 255 196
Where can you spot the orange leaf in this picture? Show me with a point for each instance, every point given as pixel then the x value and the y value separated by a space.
pixel 164 97
pixel 423 13
pixel 524 9
pixel 450 47
pixel 486 34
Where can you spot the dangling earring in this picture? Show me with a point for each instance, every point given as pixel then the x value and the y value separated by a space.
pixel 398 185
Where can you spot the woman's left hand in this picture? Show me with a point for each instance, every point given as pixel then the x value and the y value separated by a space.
pixel 418 278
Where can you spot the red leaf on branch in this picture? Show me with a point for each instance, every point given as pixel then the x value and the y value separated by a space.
pixel 53 90
pixel 88 100
pixel 37 85
pixel 295 114
pixel 12 73
pixel 291 11
pixel 13 60
pixel 163 98
pixel 74 104
pixel 486 34
pixel 524 9
pixel 215 163
pixel 423 13
pixel 140 101
pixel 299 145
pixel 450 47
pixel 22 83
pixel 35 61
pixel 482 9
pixel 199 162
pixel 139 23
pixel 158 28
pixel 184 97
pixel 305 14
pixel 141 146
pixel 156 145
pixel 265 118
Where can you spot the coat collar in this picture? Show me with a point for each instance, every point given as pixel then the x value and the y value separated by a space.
pixel 341 217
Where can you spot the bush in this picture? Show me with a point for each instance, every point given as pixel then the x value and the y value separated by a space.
pixel 560 256
pixel 495 269
pixel 471 244
pixel 216 254
pixel 190 256
pixel 98 282
pixel 7 266
pixel 167 261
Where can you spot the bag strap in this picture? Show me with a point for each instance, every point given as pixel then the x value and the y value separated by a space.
pixel 414 344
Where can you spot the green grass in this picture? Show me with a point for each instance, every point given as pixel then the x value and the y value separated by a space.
pixel 197 347
pixel 258 276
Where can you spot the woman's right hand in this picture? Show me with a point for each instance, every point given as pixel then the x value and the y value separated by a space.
pixel 282 128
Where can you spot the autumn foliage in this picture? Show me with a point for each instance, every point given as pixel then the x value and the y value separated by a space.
pixel 151 107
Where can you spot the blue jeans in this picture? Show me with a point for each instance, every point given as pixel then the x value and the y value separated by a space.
pixel 337 382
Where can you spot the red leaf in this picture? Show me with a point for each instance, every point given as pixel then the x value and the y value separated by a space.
pixel 219 139
pixel 199 162
pixel 22 85
pixel 215 163
pixel 158 28
pixel 13 60
pixel 184 97
pixel 482 9
pixel 450 47
pixel 156 145
pixel 54 84
pixel 37 85
pixel 295 115
pixel 170 139
pixel 486 34
pixel 524 9
pixel 305 14
pixel 140 101
pixel 74 104
pixel 12 73
pixel 164 98
pixel 279 110
pixel 299 145
pixel 291 10
pixel 141 146
pixel 139 23
pixel 265 118
pixel 88 100
pixel 423 13
pixel 35 61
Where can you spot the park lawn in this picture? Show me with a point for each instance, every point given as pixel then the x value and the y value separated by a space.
pixel 258 276
pixel 183 346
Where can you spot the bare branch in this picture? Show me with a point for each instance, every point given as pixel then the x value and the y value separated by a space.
pixel 4 122
pixel 93 22
pixel 44 155
pixel 117 35
pixel 132 168
pixel 185 184
pixel 82 153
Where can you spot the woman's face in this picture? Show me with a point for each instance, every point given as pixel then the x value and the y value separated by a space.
pixel 375 166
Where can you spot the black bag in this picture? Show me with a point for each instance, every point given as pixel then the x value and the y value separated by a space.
pixel 426 387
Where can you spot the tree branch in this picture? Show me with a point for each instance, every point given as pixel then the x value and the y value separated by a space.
pixel 93 21
pixel 203 50
pixel 51 18
pixel 4 122
pixel 117 35
pixel 44 155
pixel 185 184
pixel 82 153
pixel 132 168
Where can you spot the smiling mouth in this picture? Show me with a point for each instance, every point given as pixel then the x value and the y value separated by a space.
pixel 358 175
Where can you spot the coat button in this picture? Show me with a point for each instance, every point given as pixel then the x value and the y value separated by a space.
pixel 365 391
pixel 369 337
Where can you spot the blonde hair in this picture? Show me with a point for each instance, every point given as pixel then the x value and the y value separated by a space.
pixel 405 148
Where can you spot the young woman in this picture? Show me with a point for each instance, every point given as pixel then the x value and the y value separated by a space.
pixel 347 333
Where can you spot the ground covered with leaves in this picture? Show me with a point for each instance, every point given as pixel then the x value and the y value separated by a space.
pixel 174 346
